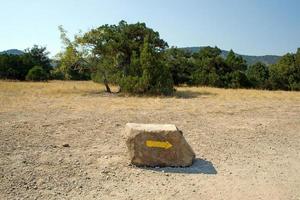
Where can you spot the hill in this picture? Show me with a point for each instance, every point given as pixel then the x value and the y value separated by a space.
pixel 12 52
pixel 267 59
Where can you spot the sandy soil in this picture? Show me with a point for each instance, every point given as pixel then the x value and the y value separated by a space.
pixel 247 143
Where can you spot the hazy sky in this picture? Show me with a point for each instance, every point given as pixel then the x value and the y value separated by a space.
pixel 255 27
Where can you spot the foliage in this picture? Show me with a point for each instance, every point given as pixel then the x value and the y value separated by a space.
pixel 180 64
pixel 37 73
pixel 129 55
pixel 237 79
pixel 235 62
pixel 258 75
pixel 17 66
pixel 210 69
pixel 72 65
pixel 37 56
pixel 285 74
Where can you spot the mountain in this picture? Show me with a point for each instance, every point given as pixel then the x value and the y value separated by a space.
pixel 12 52
pixel 267 59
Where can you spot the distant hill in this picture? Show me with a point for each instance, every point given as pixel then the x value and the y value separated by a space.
pixel 267 59
pixel 13 52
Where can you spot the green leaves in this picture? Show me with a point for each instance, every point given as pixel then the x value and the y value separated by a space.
pixel 37 73
pixel 129 55
pixel 286 73
pixel 258 75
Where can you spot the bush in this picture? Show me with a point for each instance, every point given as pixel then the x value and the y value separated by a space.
pixel 37 73
pixel 56 74
pixel 285 74
pixel 238 79
pixel 258 75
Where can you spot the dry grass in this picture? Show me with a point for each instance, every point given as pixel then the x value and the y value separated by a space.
pixel 86 95
pixel 67 89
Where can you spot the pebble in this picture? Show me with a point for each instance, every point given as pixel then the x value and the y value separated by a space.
pixel 66 145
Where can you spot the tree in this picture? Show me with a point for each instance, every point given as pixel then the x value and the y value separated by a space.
pixel 209 67
pixel 180 63
pixel 12 67
pixel 258 75
pixel 37 56
pixel 72 64
pixel 212 70
pixel 235 62
pixel 285 74
pixel 128 55
pixel 237 79
pixel 17 66
pixel 37 73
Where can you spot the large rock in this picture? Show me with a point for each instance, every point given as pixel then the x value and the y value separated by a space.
pixel 158 145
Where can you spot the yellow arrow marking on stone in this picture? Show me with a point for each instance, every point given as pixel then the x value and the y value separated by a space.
pixel 158 144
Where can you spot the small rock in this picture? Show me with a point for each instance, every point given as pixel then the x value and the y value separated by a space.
pixel 66 145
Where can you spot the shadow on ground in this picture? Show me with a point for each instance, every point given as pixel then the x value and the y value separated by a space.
pixel 187 94
pixel 199 166
pixel 183 94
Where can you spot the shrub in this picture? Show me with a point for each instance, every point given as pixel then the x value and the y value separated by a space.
pixel 258 75
pixel 238 79
pixel 37 73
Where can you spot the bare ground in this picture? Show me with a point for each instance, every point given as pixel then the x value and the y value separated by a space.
pixel 247 143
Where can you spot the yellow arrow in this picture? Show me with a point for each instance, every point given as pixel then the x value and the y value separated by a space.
pixel 158 144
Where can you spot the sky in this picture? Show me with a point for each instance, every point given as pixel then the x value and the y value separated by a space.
pixel 252 27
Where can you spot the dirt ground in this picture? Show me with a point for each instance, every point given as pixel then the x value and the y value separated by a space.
pixel 64 140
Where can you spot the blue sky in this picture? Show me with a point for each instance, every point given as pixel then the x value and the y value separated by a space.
pixel 253 27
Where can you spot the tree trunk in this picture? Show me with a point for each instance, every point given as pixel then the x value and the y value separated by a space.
pixel 119 90
pixel 107 86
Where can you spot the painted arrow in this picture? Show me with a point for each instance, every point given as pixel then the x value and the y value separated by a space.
pixel 158 144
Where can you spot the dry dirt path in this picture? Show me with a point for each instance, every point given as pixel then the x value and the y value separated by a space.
pixel 247 143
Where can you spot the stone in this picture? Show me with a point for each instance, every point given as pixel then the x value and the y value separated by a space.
pixel 158 145
pixel 66 145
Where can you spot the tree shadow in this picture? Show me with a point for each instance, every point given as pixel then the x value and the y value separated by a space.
pixel 187 94
pixel 199 166
pixel 180 94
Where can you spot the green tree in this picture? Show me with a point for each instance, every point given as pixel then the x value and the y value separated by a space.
pixel 37 56
pixel 258 75
pixel 237 79
pixel 129 55
pixel 12 67
pixel 72 64
pixel 212 70
pixel 235 62
pixel 180 63
pixel 37 73
pixel 209 67
pixel 285 74
pixel 17 66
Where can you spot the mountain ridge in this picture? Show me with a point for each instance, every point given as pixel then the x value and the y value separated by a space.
pixel 250 59
pixel 12 52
